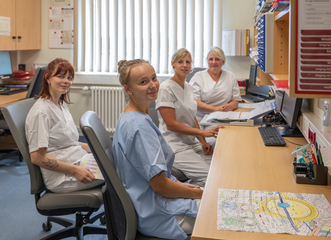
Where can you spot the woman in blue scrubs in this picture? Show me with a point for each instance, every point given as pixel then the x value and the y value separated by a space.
pixel 165 207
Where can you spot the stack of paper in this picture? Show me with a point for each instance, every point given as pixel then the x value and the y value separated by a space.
pixel 242 116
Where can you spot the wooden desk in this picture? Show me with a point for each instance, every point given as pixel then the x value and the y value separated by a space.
pixel 8 142
pixel 242 161
pixel 6 99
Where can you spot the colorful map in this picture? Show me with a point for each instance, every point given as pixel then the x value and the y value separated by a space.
pixel 274 212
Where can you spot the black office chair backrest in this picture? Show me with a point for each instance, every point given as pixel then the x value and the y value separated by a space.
pixel 120 212
pixel 37 83
pixel 194 71
pixel 15 115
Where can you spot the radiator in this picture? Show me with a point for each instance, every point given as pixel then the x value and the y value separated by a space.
pixel 108 103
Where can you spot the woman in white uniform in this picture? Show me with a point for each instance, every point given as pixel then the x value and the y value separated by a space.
pixel 52 135
pixel 215 89
pixel 177 110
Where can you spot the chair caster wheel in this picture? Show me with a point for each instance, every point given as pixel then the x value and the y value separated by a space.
pixel 103 220
pixel 47 226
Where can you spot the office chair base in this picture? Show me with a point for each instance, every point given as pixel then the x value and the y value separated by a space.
pixel 73 228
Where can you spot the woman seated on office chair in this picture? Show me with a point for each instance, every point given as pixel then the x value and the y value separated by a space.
pixel 178 124
pixel 165 207
pixel 215 89
pixel 52 135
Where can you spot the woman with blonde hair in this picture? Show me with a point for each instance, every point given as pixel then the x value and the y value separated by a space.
pixel 215 89
pixel 166 208
pixel 177 110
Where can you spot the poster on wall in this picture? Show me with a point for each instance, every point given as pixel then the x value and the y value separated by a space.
pixel 61 24
pixel 313 70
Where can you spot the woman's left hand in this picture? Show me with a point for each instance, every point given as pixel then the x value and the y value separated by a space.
pixel 207 148
pixel 226 108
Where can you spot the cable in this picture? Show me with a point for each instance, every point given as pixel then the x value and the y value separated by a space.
pixel 293 142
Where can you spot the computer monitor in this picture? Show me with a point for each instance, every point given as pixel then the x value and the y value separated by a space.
pixel 36 83
pixel 290 111
pixel 252 89
pixel 5 65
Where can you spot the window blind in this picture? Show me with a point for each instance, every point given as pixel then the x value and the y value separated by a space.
pixel 111 30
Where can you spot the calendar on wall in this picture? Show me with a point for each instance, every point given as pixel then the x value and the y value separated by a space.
pixel 61 24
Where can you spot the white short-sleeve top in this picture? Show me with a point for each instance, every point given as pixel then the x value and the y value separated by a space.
pixel 47 126
pixel 172 95
pixel 216 94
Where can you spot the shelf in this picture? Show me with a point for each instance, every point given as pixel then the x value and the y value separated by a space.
pixel 283 16
pixel 279 77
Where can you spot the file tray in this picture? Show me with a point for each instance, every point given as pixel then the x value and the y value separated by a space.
pixel 313 174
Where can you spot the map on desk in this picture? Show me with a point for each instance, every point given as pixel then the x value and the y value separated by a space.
pixel 274 212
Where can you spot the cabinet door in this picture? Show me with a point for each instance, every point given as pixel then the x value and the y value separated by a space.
pixel 28 24
pixel 7 9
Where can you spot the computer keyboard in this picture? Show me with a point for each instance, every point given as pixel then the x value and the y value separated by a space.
pixel 253 98
pixel 10 92
pixel 271 136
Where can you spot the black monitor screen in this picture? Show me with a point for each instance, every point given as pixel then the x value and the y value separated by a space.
pixel 290 110
pixel 251 87
pixel 5 64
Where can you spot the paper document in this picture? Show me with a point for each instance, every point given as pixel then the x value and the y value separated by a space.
pixel 89 162
pixel 254 105
pixel 242 116
pixel 273 212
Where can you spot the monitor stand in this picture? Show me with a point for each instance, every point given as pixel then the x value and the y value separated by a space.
pixel 289 132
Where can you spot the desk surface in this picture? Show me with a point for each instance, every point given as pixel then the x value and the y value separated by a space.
pixel 242 161
pixel 6 99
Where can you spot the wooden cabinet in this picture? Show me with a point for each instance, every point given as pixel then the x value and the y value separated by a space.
pixel 25 25
pixel 285 56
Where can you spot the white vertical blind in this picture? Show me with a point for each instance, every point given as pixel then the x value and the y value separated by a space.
pixel 111 30
pixel 97 37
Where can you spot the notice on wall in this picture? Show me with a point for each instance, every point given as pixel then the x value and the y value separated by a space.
pixel 313 70
pixel 5 26
pixel 61 24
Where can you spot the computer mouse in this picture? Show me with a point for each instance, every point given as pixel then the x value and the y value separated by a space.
pixel 266 125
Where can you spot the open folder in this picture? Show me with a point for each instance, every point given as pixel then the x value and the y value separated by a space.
pixel 224 117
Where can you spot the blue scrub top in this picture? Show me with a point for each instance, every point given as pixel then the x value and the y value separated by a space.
pixel 141 152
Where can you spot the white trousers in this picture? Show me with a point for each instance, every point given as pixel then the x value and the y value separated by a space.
pixel 75 185
pixel 194 164
pixel 187 222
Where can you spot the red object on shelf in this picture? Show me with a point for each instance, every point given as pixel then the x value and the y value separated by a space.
pixel 280 83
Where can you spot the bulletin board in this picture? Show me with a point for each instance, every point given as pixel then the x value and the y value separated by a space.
pixel 61 23
pixel 313 47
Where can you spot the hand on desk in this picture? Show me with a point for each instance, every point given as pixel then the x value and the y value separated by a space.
pixel 212 132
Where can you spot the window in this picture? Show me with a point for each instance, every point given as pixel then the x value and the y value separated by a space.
pixel 111 30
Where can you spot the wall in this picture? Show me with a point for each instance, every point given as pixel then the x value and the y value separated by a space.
pixel 235 15
pixel 238 14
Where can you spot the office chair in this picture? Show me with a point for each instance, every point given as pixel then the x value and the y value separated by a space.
pixel 37 83
pixel 194 71
pixel 119 210
pixel 54 204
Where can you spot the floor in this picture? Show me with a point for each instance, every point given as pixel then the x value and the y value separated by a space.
pixel 19 218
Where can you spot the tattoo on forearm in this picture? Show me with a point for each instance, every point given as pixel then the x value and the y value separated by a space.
pixel 51 163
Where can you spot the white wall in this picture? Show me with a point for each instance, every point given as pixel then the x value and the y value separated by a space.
pixel 236 14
